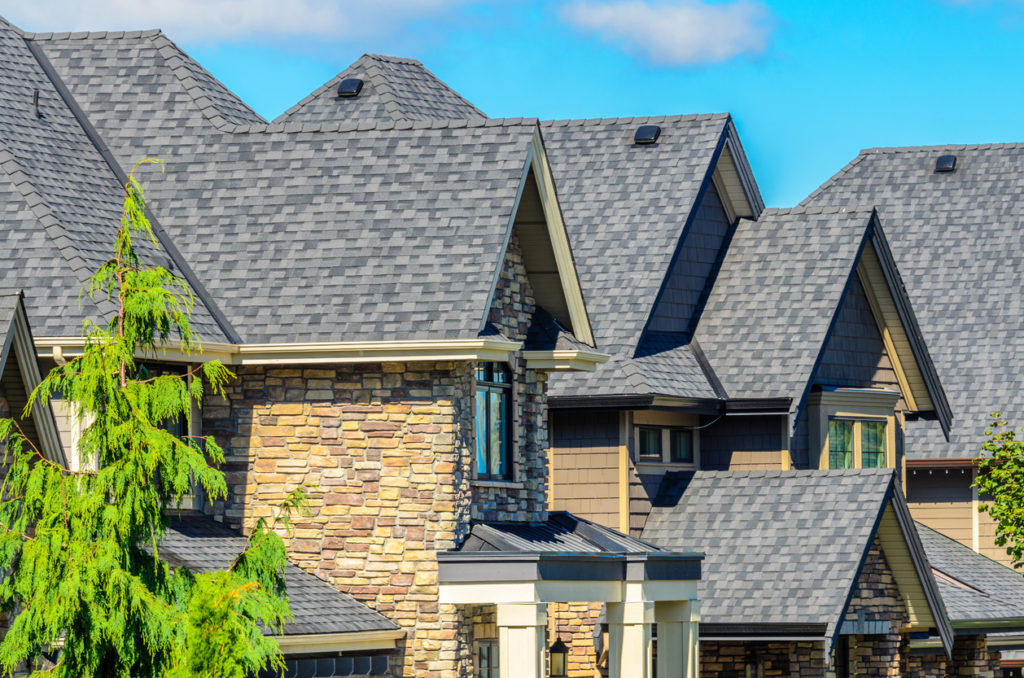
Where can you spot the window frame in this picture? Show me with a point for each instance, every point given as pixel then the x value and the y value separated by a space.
pixel 856 405
pixel 492 646
pixel 507 430
pixel 665 456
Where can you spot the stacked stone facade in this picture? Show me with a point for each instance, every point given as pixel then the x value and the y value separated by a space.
pixel 386 452
pixel 776 660
pixel 574 623
pixel 877 598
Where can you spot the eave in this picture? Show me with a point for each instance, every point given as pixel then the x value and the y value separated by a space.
pixel 355 641
pixel 567 360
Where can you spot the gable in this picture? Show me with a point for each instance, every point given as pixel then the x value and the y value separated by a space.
pixel 692 268
pixel 854 354
pixel 893 543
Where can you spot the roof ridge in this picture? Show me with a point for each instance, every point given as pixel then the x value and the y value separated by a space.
pixel 815 209
pixel 798 473
pixel 686 117
pixel 919 526
pixel 879 150
pixel 392 59
pixel 828 183
pixel 365 125
pixel 93 35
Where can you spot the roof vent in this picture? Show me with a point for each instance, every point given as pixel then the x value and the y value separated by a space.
pixel 646 134
pixel 945 163
pixel 350 87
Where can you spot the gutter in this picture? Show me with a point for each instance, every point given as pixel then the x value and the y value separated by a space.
pixel 356 641
pixel 710 406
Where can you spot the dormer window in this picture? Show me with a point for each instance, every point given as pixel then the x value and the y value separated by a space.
pixel 493 421
pixel 853 427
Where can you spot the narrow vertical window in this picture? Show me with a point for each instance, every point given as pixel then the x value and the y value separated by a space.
pixel 650 444
pixel 487 660
pixel 872 444
pixel 840 444
pixel 493 420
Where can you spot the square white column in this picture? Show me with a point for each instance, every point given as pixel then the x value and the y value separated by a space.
pixel 629 639
pixel 522 634
pixel 678 645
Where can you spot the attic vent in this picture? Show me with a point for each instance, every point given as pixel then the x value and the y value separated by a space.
pixel 350 87
pixel 646 134
pixel 945 163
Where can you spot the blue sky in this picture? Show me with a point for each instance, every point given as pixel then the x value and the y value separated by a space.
pixel 808 83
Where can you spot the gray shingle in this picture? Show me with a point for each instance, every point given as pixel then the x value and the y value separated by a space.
pixel 958 239
pixel 394 88
pixel 782 547
pixel 61 203
pixel 989 591
pixel 202 545
pixel 779 287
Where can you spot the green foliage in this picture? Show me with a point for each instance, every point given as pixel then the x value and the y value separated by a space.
pixel 81 548
pixel 1000 482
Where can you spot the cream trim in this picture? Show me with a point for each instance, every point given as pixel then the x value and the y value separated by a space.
pixel 340 642
pixel 46 424
pixel 564 360
pixel 853 404
pixel 625 425
pixel 897 556
pixel 487 349
pixel 553 591
pixel 560 242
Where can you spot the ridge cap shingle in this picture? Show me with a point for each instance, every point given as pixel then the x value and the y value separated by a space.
pixel 638 120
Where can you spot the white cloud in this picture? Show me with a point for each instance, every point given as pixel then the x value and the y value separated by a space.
pixel 685 32
pixel 333 20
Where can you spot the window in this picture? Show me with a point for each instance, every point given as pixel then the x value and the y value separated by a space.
pixel 487 659
pixel 650 444
pixel 855 443
pixel 661 445
pixel 493 421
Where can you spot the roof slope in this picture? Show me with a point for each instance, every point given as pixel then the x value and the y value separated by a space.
pixel 990 591
pixel 202 545
pixel 61 201
pixel 394 89
pixel 783 547
pixel 776 294
pixel 958 240
pixel 625 207
pixel 352 231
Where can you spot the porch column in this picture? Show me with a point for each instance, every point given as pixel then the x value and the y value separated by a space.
pixel 521 639
pixel 629 639
pixel 678 651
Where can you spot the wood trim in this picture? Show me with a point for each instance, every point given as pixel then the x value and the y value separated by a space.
pixel 897 555
pixel 339 642
pixel 883 330
pixel 975 527
pixel 564 360
pixel 787 458
pixel 855 405
pixel 560 242
pixel 625 426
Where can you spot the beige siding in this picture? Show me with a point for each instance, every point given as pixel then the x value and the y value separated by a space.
pixel 743 444
pixel 987 541
pixel 585 465
pixel 943 502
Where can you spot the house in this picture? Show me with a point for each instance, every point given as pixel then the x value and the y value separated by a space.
pixel 393 297
pixel 953 215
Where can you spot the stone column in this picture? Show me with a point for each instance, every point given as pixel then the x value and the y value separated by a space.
pixel 678 651
pixel 629 639
pixel 521 639
pixel 971 658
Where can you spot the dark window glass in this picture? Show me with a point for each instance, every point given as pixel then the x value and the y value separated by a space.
pixel 650 443
pixel 487 659
pixel 872 444
pixel 681 446
pixel 840 444
pixel 493 420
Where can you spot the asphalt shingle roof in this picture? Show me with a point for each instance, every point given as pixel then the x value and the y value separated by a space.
pixel 958 240
pixel 998 591
pixel 783 547
pixel 779 287
pixel 202 545
pixel 9 300
pixel 59 200
pixel 394 88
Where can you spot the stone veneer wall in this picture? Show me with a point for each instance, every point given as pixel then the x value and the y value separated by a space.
pixel 789 660
pixel 524 498
pixel 877 598
pixel 574 624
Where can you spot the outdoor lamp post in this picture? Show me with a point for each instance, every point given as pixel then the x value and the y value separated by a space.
pixel 559 654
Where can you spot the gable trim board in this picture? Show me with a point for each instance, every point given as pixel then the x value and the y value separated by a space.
pixel 538 167
pixel 354 641
pixel 97 141
pixel 19 338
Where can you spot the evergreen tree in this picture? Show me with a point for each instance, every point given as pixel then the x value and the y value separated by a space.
pixel 80 549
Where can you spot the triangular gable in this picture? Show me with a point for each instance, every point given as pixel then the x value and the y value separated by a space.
pixel 904 363
pixel 905 556
pixel 19 376
pixel 547 254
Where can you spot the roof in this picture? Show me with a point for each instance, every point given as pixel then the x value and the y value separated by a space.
pixel 60 201
pixel 394 89
pixel 784 548
pixel 958 239
pixel 203 545
pixel 562 532
pixel 778 289
pixel 9 300
pixel 973 587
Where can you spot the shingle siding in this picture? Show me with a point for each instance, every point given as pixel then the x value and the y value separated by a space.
pixel 854 353
pixel 688 276
pixel 585 465
pixel 742 444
